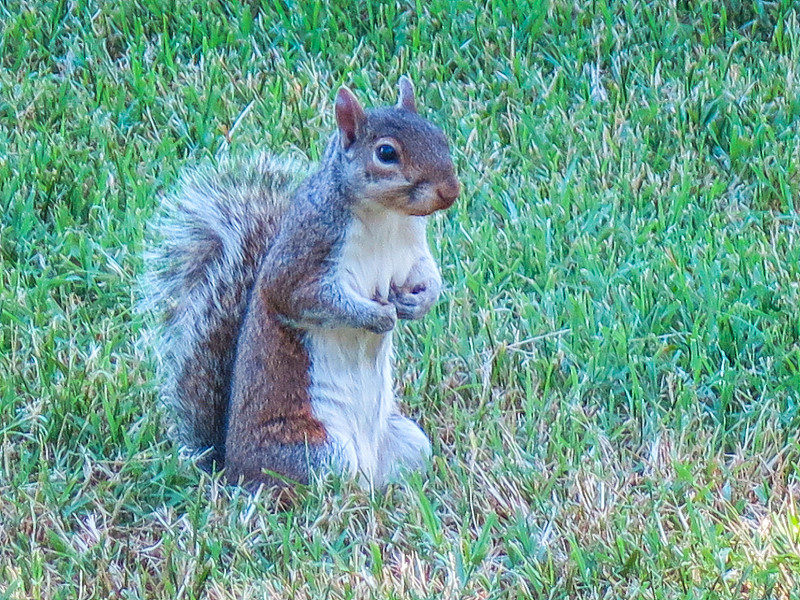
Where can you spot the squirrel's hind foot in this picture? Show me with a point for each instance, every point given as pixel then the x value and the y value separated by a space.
pixel 406 448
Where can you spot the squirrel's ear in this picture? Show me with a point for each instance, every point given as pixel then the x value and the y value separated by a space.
pixel 350 116
pixel 406 99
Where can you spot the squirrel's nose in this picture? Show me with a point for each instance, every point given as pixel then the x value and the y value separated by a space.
pixel 448 192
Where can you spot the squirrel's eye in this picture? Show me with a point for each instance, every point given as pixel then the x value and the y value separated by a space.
pixel 386 153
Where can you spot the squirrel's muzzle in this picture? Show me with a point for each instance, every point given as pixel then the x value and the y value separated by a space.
pixel 447 192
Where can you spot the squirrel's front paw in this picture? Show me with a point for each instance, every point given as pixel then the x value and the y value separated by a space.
pixel 413 303
pixel 384 319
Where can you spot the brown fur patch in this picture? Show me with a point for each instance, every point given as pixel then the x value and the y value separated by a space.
pixel 295 430
pixel 270 420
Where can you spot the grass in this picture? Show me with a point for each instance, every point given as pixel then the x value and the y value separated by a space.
pixel 610 380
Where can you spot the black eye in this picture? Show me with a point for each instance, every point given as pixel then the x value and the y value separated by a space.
pixel 386 153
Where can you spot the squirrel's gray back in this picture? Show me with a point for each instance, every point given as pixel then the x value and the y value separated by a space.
pixel 210 236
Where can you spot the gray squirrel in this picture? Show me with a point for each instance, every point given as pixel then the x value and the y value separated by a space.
pixel 278 295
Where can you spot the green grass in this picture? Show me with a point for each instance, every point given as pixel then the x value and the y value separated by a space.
pixel 611 380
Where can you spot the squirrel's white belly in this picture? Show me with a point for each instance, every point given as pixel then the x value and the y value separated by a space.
pixel 351 369
pixel 351 394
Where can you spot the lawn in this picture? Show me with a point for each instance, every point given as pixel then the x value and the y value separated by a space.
pixel 611 379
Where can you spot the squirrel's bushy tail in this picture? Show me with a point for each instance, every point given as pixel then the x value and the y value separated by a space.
pixel 209 239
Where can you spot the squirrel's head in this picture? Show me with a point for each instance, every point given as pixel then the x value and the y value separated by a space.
pixel 393 156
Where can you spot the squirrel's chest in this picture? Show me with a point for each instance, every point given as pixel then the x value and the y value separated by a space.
pixel 378 250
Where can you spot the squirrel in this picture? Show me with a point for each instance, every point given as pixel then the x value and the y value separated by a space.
pixel 279 292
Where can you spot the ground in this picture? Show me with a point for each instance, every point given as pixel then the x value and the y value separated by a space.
pixel 610 379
